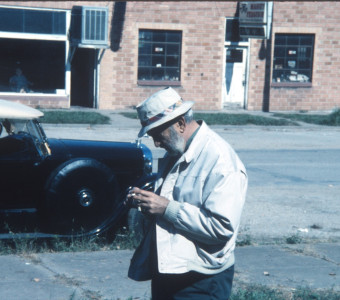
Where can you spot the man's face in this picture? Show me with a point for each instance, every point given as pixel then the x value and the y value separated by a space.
pixel 169 139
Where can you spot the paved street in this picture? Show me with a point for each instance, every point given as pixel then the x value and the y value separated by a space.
pixel 294 174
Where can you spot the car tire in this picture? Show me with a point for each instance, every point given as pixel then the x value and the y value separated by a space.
pixel 81 196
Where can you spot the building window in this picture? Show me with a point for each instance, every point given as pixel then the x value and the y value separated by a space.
pixel 293 58
pixel 33 45
pixel 232 33
pixel 41 62
pixel 159 57
pixel 36 21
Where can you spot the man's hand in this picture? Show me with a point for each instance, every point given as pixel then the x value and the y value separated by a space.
pixel 148 202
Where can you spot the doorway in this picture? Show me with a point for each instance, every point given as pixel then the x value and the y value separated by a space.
pixel 234 83
pixel 82 77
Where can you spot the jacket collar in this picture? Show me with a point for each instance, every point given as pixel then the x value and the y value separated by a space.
pixel 197 144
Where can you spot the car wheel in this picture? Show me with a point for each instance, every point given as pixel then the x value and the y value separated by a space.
pixel 81 197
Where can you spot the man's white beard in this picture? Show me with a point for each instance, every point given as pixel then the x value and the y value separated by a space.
pixel 177 143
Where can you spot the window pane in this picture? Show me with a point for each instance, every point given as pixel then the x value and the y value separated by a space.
pixel 173 37
pixel 292 40
pixel 144 48
pixel 59 22
pixel 159 36
pixel 157 74
pixel 11 20
pixel 173 49
pixel 280 40
pixel 306 40
pixel 234 56
pixel 279 63
pixel 158 61
pixel 279 51
pixel 172 74
pixel 144 60
pixel 309 52
pixel 41 62
pixel 32 21
pixel 232 33
pixel 158 49
pixel 38 21
pixel 144 73
pixel 305 64
pixel 145 35
pixel 291 64
pixel 172 61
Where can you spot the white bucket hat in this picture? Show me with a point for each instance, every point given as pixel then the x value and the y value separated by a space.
pixel 161 107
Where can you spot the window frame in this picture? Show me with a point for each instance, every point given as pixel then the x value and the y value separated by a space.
pixel 153 44
pixel 296 59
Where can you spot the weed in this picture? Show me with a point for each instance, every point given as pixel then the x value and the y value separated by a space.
pixel 316 226
pixel 294 239
pixel 126 240
pixel 246 241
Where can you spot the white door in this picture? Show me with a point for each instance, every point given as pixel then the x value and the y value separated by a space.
pixel 235 77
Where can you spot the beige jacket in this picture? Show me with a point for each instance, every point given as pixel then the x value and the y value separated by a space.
pixel 207 189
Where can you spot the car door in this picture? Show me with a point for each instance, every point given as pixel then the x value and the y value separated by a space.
pixel 19 175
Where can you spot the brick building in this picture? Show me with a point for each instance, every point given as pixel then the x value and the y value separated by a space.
pixel 112 55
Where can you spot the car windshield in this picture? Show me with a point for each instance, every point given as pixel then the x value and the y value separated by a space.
pixel 31 128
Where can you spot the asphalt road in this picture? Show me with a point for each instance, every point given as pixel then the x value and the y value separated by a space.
pixel 294 174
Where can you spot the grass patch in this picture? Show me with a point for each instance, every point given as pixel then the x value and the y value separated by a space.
pixel 73 117
pixel 130 115
pixel 332 119
pixel 259 292
pixel 256 292
pixel 309 294
pixel 231 119
pixel 120 240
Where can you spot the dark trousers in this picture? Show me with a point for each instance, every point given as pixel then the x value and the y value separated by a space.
pixel 192 286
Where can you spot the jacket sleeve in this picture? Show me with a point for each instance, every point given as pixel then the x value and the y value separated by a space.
pixel 218 217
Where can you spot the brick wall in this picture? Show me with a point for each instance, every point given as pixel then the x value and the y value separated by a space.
pixel 202 25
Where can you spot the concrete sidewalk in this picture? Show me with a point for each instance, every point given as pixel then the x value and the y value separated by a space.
pixel 103 274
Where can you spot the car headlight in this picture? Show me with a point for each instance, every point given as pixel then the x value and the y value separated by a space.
pixel 147 156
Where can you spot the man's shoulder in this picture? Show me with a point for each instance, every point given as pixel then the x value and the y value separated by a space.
pixel 211 136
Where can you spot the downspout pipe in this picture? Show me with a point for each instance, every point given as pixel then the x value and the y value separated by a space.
pixel 99 57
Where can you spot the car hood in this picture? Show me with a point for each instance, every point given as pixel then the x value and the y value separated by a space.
pixel 119 154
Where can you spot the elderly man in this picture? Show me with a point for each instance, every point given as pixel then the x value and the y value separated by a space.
pixel 194 213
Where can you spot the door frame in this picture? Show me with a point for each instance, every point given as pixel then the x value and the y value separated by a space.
pixel 246 66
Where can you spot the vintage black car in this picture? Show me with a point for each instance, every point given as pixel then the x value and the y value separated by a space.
pixel 74 187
